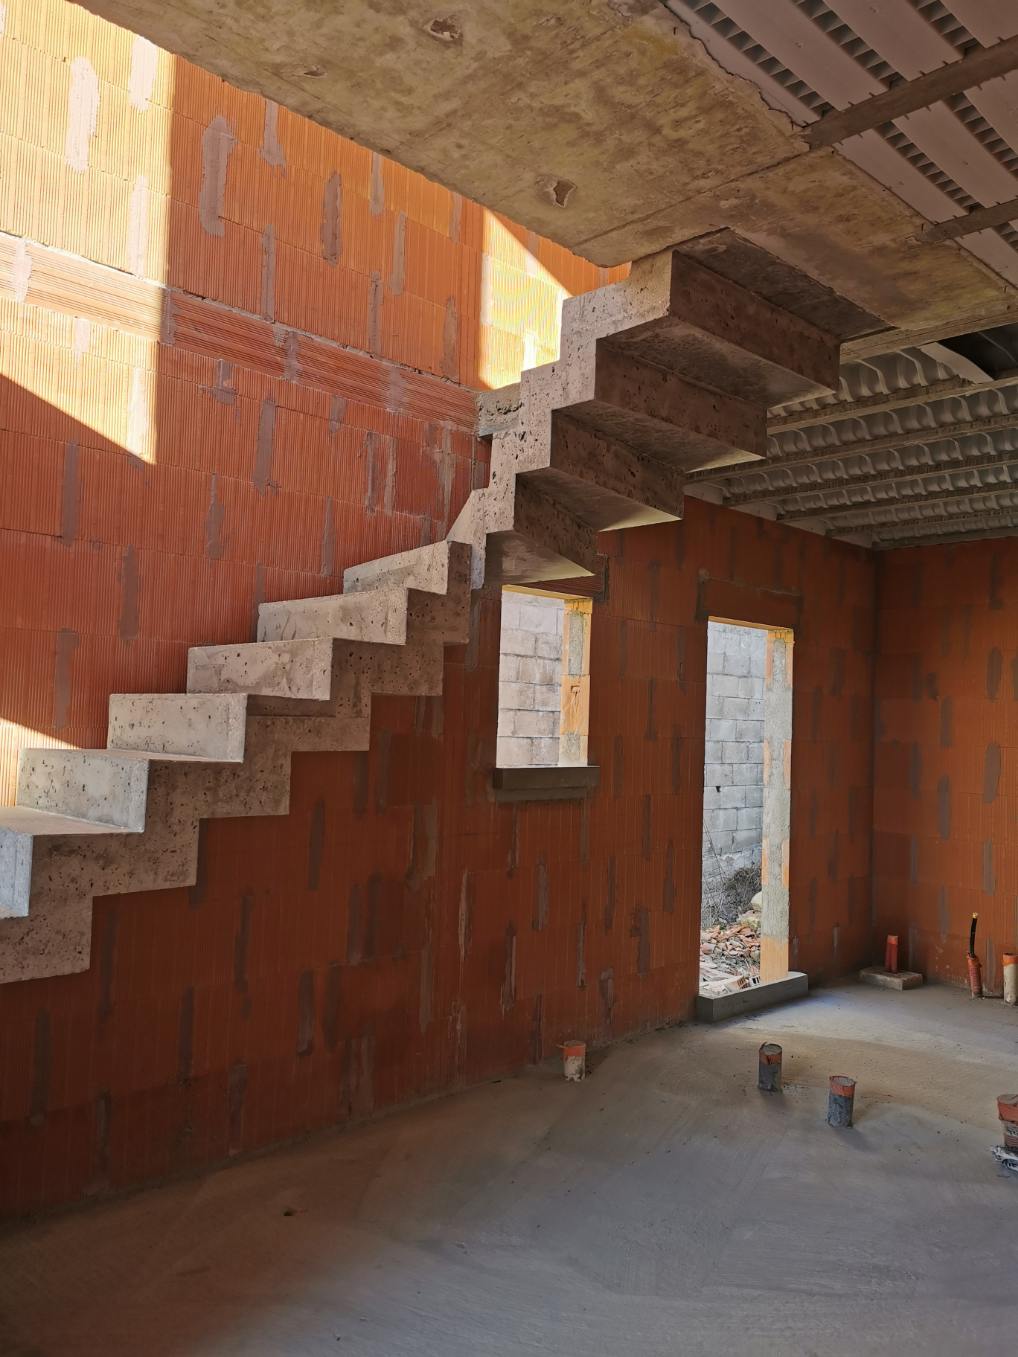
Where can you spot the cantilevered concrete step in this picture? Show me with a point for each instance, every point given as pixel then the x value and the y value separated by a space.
pixel 379 615
pixel 605 483
pixel 668 416
pixel 433 569
pixel 719 335
pixel 105 786
pixel 21 828
pixel 392 609
pixel 297 673
pixel 524 536
pixel 316 675
pixel 208 725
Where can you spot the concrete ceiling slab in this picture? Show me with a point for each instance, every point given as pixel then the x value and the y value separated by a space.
pixel 604 125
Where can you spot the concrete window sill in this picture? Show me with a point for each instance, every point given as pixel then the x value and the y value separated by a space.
pixel 552 783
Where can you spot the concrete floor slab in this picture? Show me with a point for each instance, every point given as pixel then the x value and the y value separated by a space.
pixel 661 1206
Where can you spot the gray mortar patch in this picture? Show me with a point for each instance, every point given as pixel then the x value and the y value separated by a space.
pixel 641 931
pixel 508 996
pixel 332 219
pixel 137 227
pixel 944 807
pixel 915 768
pixel 540 895
pixel 262 475
pixel 398 273
pixel 375 313
pixel 330 1005
pixel 991 773
pixel 107 959
pixel 236 1092
pixel 989 874
pixel 377 191
pixel 214 547
pixel 994 673
pixel 450 340
pixel 606 989
pixel 21 271
pixel 217 145
pixel 223 389
pixel 306 1013
pixel 267 292
pixel 82 114
pixel 144 67
pixel 610 894
pixel 70 494
pixel 328 550
pixel 270 150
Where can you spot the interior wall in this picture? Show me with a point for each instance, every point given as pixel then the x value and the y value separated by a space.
pixel 239 354
pixel 400 933
pixel 946 767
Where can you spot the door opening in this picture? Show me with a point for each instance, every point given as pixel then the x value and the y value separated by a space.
pixel 746 807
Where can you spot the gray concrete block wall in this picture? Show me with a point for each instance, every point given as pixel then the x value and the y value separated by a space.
pixel 530 680
pixel 733 758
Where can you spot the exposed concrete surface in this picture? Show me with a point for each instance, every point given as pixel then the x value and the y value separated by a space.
pixel 899 980
pixel 661 1206
pixel 582 138
pixel 719 1007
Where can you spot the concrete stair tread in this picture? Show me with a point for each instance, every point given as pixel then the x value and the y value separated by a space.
pixel 378 615
pixel 429 569
pixel 156 756
pixel 35 823
pixel 210 725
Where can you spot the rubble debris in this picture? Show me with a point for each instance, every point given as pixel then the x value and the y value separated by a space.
pixel 730 956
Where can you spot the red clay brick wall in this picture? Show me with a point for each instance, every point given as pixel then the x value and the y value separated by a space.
pixel 401 934
pixel 946 767
pixel 238 355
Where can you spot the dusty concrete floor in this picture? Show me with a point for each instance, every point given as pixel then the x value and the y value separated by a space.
pixel 662 1207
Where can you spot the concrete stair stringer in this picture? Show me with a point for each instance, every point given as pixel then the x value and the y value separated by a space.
pixel 652 379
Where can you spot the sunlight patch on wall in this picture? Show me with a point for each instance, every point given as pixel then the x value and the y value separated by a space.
pixel 521 304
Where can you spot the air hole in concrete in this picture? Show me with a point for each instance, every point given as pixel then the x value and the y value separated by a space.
pixel 445 30
pixel 315 72
pixel 556 191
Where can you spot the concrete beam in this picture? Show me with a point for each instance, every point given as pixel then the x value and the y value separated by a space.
pixel 975 68
pixel 978 219
pixel 894 400
pixel 991 522
pixel 896 505
pixel 893 476
pixel 862 448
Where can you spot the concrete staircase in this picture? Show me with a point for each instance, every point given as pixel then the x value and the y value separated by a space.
pixel 667 372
